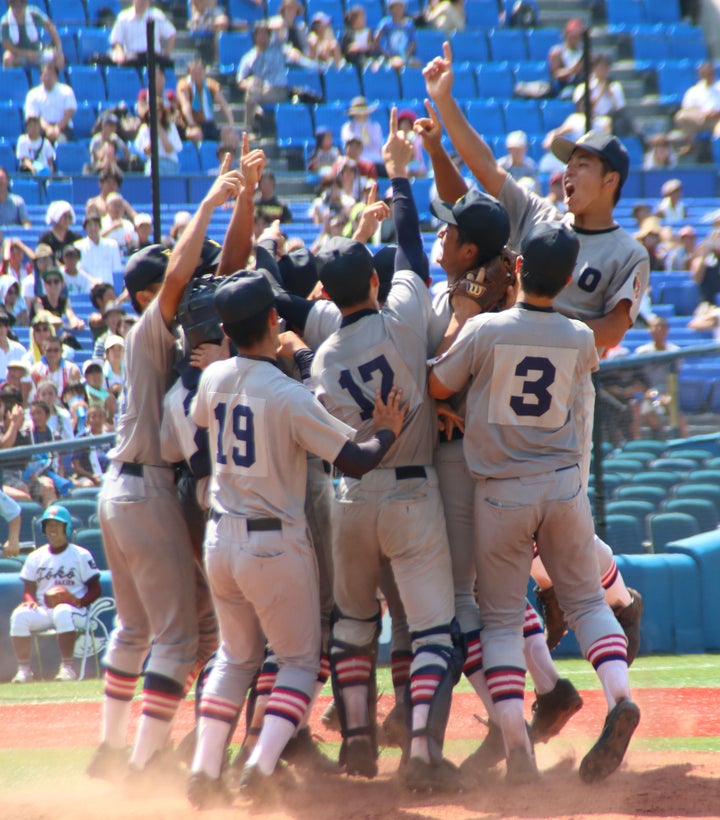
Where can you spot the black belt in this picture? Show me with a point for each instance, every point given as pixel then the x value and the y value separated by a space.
pixel 131 468
pixel 410 472
pixel 327 467
pixel 254 524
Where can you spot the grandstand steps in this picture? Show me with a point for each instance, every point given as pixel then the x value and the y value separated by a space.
pixel 558 12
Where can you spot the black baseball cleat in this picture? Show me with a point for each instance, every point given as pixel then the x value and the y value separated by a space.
pixel 488 754
pixel 205 792
pixel 302 751
pixel 360 758
pixel 553 710
pixel 629 618
pixel 609 749
pixel 521 767
pixel 109 763
pixel 265 788
pixel 422 776
pixel 395 728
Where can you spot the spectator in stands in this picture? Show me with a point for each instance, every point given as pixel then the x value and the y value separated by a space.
pixel 12 302
pixel 43 258
pixel 54 103
pixel 54 366
pixel 353 151
pixel 682 257
pixel 607 96
pixel 331 202
pixel 13 210
pixel 650 236
pixel 60 215
pixel 556 191
pixel 169 143
pixel 116 226
pixel 705 268
pixel 672 208
pixel 333 226
pixel 34 152
pixel 565 60
pixel 323 46
pixel 128 37
pixel 96 389
pixel 368 131
pixel 517 162
pixel 290 30
pixel 417 167
pixel 14 434
pixel 167 95
pixel 90 463
pixel 205 22
pixel 267 202
pixel 357 43
pixel 262 75
pixel 55 301
pixel 77 279
pixel 394 39
pixel 114 367
pixel 325 153
pixel 107 149
pixel 180 221
pixel 60 421
pixel 660 153
pixel 41 470
pixel 110 180
pixel 348 178
pixel 20 32
pixel 446 15
pixel 10 350
pixel 98 255
pixel 143 229
pixel 197 95
pixel 18 378
pixel 42 327
pixel 15 254
pixel 112 316
pixel 700 108
pixel 75 399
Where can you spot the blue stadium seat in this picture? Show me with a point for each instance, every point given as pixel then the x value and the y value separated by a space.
pixel 555 112
pixel 231 47
pixel 10 122
pixel 671 526
pixel 68 13
pixel 305 79
pixel 173 189
pixel 486 116
pixel 92 540
pixel 92 41
pixel 429 44
pixel 540 41
pixel 675 77
pixel 207 152
pixel 693 394
pixel 635 150
pixel 83 120
pixel 294 123
pixel 465 83
pixel 122 84
pixel 494 80
pixel 702 510
pixel 59 189
pixel 662 11
pixel 14 85
pixel 523 115
pixel 381 85
pixel 651 48
pixel 245 10
pixel 7 157
pixel 687 43
pixel 71 157
pixel 170 78
pixel 481 14
pixel 412 84
pixel 341 83
pixel 87 83
pixel 100 10
pixel 624 534
pixel 507 44
pixel 189 158
pixel 625 12
pixel 331 116
pixel 332 8
pixel 531 71
pixel 68 37
pixel 685 296
pixel 470 48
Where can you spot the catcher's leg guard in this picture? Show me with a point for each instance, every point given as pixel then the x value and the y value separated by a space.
pixel 439 655
pixel 354 665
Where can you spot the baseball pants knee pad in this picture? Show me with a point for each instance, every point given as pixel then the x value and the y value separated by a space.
pixel 354 665
pixel 439 656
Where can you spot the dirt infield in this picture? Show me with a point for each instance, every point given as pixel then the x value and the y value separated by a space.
pixel 649 784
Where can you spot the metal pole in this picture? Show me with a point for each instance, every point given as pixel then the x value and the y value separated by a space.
pixel 587 67
pixel 153 123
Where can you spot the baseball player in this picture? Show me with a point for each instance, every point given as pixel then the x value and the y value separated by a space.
pixel 148 545
pixel 396 510
pixel 529 370
pixel 57 564
pixel 260 563
pixel 609 279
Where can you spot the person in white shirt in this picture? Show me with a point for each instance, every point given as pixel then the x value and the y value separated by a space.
pixel 169 143
pixel 54 103
pixel 128 37
pixel 34 152
pixel 672 209
pixel 99 257
pixel 115 226
pixel 10 351
pixel 700 107
pixel 77 280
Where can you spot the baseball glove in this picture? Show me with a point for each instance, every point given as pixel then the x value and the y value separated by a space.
pixel 488 285
pixel 59 595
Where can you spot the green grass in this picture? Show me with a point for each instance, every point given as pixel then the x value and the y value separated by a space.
pixel 673 671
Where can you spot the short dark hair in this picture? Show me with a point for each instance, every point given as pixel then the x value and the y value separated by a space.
pixel 111 173
pixel 43 405
pixel 608 169
pixel 547 283
pixel 97 292
pixel 249 331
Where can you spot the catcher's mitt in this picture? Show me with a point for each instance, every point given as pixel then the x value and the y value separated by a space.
pixel 59 595
pixel 487 286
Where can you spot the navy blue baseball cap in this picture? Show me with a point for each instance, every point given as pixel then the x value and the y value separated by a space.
pixel 146 267
pixel 298 271
pixel 243 295
pixel 606 146
pixel 479 216
pixel 551 247
pixel 345 267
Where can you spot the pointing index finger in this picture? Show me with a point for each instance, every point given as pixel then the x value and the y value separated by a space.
pixel 393 121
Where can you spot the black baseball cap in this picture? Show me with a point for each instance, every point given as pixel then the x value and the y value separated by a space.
pixel 243 295
pixel 551 247
pixel 146 267
pixel 345 267
pixel 606 146
pixel 298 271
pixel 479 216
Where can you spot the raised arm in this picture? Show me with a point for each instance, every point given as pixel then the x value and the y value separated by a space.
pixel 448 179
pixel 476 153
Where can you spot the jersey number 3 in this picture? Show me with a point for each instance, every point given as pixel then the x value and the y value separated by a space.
pixel 377 365
pixel 243 430
pixel 537 388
